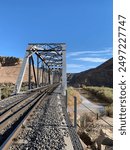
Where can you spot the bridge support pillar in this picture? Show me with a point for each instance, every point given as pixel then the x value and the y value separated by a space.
pixel 64 80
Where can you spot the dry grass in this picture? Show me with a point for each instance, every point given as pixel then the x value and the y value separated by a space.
pixel 104 94
pixel 9 74
pixel 86 118
pixel 71 93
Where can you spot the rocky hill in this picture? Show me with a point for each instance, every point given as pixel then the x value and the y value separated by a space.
pixel 9 61
pixel 9 74
pixel 99 76
pixel 9 69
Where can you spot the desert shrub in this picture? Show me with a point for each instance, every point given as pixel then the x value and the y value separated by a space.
pixel 6 89
pixel 86 118
pixel 5 92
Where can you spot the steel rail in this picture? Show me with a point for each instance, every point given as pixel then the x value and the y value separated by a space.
pixel 16 107
pixel 10 106
pixel 34 104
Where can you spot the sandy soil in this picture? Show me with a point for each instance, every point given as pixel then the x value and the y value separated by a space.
pixel 10 74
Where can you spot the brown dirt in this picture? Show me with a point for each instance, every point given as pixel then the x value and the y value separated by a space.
pixel 9 74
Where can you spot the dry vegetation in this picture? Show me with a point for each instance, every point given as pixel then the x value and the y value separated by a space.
pixel 71 93
pixel 9 61
pixel 104 94
pixel 6 90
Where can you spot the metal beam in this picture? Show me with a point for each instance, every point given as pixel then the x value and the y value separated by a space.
pixel 37 71
pixel 34 71
pixel 41 58
pixel 29 74
pixel 64 80
pixel 42 73
pixel 21 74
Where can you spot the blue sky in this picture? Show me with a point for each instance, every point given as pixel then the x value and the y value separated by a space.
pixel 84 25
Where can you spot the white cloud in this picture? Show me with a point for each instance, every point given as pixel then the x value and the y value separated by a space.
pixel 91 59
pixel 75 66
pixel 105 51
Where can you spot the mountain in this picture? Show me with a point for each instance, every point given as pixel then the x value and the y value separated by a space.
pixel 99 76
pixel 70 76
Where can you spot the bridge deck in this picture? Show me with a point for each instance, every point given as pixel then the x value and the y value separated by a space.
pixel 49 127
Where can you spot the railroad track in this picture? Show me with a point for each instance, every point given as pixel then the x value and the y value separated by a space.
pixel 8 102
pixel 11 107
pixel 12 117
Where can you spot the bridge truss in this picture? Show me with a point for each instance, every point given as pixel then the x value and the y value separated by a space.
pixel 46 64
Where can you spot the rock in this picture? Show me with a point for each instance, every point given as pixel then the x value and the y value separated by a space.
pixel 86 138
pixel 104 147
pixel 105 139
pixel 109 148
pixel 106 133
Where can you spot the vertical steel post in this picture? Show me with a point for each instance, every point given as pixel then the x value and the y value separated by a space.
pixel 42 73
pixel 37 71
pixel 29 74
pixel 34 71
pixel 49 74
pixel 64 80
pixel 66 99
pixel 75 112
pixel 40 76
pixel 46 78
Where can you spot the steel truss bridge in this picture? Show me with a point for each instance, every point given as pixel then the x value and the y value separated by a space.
pixel 38 118
pixel 46 64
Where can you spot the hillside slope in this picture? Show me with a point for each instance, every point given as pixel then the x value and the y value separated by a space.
pixel 99 76
pixel 9 74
